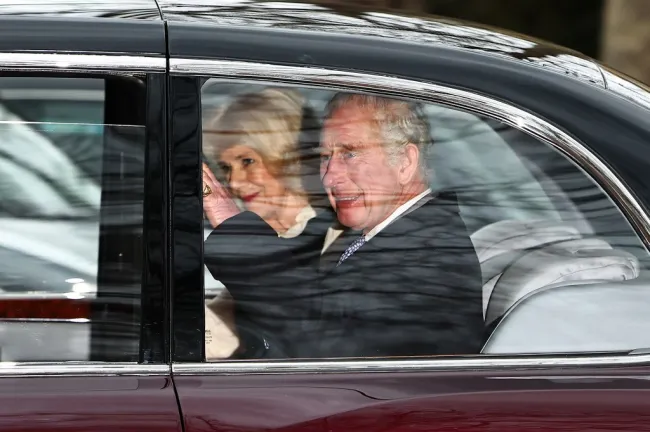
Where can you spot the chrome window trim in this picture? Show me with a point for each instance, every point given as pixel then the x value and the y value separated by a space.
pixel 69 62
pixel 474 363
pixel 455 98
pixel 18 369
pixel 45 320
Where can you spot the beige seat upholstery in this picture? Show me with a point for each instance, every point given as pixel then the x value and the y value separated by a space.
pixel 588 316
pixel 519 257
pixel 557 263
pixel 499 244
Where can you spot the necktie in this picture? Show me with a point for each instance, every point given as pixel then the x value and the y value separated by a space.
pixel 354 246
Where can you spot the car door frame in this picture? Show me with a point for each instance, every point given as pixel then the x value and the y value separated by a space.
pixel 150 375
pixel 199 383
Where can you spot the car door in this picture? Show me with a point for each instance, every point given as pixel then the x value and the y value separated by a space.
pixel 82 312
pixel 560 241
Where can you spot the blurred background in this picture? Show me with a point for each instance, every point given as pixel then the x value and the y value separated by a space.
pixel 616 32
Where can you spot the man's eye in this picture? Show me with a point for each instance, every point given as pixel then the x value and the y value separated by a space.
pixel 349 155
pixel 247 161
pixel 325 157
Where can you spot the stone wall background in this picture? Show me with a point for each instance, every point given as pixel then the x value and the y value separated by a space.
pixel 626 37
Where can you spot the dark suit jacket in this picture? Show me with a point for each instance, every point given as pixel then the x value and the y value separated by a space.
pixel 268 277
pixel 413 289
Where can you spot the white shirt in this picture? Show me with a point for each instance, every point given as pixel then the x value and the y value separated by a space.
pixel 303 217
pixel 333 233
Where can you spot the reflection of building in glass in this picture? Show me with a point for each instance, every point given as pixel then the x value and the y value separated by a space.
pixel 352 18
pixel 406 5
pixel 142 9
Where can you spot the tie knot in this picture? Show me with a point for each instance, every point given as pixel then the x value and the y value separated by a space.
pixel 354 246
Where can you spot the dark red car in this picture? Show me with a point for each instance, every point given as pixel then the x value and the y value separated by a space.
pixel 107 307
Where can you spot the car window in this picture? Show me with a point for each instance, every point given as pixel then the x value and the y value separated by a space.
pixel 350 225
pixel 71 179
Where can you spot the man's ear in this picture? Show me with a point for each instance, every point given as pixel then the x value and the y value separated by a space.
pixel 409 165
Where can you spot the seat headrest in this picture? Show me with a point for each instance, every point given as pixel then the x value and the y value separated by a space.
pixel 562 262
pixel 499 244
pixel 510 235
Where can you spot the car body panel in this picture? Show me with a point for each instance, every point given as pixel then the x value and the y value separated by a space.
pixel 66 388
pixel 560 86
pixel 570 400
pixel 82 35
pixel 64 26
pixel 348 24
pixel 124 9
pixel 87 403
pixel 626 87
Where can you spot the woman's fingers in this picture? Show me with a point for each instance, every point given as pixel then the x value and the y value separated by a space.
pixel 218 190
pixel 209 173
pixel 211 182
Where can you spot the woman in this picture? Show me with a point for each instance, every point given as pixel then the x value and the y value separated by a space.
pixel 255 141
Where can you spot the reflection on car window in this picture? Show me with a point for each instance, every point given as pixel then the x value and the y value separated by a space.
pixel 344 225
pixel 70 188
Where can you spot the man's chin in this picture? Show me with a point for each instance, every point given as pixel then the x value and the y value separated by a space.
pixel 349 219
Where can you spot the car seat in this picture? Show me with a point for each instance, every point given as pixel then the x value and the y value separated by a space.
pixel 576 317
pixel 552 263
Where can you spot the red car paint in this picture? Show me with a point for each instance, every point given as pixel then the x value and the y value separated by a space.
pixel 575 400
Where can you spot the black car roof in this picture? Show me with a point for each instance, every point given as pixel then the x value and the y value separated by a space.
pixel 338 19
pixel 82 26
pixel 129 9
pixel 331 19
pixel 313 18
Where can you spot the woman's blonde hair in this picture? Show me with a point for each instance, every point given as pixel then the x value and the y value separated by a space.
pixel 268 121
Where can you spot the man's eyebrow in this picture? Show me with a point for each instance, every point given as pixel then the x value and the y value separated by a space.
pixel 356 145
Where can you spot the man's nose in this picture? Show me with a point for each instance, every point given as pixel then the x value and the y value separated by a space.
pixel 333 172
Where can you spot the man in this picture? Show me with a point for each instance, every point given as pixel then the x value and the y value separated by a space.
pixel 401 278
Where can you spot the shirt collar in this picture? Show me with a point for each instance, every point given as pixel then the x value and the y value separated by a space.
pixel 334 233
pixel 305 215
pixel 397 213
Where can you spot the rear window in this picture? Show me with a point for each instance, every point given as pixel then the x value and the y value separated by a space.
pixel 71 203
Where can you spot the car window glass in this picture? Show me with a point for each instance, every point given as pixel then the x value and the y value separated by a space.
pixel 70 221
pixel 345 225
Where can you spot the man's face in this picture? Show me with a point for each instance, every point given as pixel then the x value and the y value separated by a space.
pixel 361 184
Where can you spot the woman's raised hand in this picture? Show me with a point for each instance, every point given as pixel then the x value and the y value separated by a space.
pixel 218 205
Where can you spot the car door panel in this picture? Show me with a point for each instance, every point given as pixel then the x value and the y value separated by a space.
pixel 577 400
pixel 125 403
pixel 522 392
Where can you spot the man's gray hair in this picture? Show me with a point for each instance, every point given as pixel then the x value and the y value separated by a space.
pixel 400 123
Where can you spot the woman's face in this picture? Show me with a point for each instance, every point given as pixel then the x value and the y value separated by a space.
pixel 249 179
